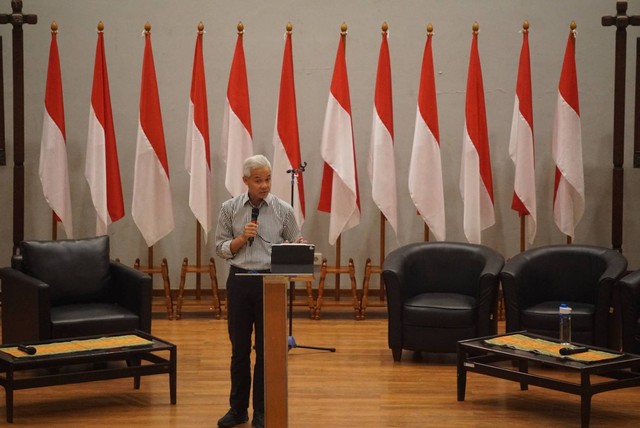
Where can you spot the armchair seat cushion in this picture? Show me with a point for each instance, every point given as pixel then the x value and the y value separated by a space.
pixel 446 310
pixel 544 316
pixel 90 319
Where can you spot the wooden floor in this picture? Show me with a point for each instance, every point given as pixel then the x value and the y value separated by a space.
pixel 357 386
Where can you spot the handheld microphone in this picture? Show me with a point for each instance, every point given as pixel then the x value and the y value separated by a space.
pixel 254 219
pixel 27 349
pixel 571 351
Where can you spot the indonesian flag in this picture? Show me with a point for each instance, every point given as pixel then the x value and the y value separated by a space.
pixel 521 145
pixel 197 153
pixel 382 167
pixel 476 185
pixel 339 194
pixel 566 147
pixel 236 126
pixel 101 168
pixel 152 209
pixel 425 170
pixel 53 169
pixel 286 143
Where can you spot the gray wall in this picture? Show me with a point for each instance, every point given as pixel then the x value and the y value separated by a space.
pixel 315 39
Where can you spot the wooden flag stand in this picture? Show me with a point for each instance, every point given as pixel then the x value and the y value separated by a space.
pixel 621 21
pixel 369 269
pixel 163 269
pixel 17 19
pixel 337 270
pixel 198 269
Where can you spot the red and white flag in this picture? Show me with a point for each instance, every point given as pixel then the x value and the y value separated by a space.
pixel 382 167
pixel 476 184
pixel 339 194
pixel 152 208
pixel 286 142
pixel 237 142
pixel 566 147
pixel 425 170
pixel 521 144
pixel 197 153
pixel 101 168
pixel 53 168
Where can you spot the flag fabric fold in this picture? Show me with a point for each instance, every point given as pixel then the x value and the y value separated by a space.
pixel 286 142
pixel 566 147
pixel 53 167
pixel 476 184
pixel 521 144
pixel 382 168
pixel 152 208
pixel 339 193
pixel 425 168
pixel 237 143
pixel 197 153
pixel 102 169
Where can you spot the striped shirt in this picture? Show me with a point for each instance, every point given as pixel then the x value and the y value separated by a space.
pixel 276 224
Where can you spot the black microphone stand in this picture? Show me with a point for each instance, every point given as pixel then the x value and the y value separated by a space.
pixel 291 341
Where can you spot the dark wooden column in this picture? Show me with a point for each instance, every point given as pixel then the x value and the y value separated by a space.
pixel 620 21
pixel 17 19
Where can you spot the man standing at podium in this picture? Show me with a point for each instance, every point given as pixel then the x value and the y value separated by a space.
pixel 248 225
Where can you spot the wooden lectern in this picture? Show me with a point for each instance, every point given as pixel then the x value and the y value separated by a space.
pixel 276 346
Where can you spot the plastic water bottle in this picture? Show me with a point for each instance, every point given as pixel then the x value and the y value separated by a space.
pixel 565 324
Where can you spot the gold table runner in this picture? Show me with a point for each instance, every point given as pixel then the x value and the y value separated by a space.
pixel 545 347
pixel 79 345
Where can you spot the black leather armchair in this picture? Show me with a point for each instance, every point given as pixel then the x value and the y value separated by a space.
pixel 70 288
pixel 439 293
pixel 629 292
pixel 537 281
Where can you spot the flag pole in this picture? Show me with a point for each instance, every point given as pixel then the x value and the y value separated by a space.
pixel 54 226
pixel 150 260
pixel 198 254
pixel 338 256
pixel 383 220
pixel 522 229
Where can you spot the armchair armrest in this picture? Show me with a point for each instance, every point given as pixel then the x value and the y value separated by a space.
pixel 134 291
pixel 393 275
pixel 488 295
pixel 629 287
pixel 25 307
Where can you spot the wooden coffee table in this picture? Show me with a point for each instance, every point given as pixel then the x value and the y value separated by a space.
pixel 148 356
pixel 476 355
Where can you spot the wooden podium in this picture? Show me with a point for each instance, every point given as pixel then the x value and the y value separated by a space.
pixel 276 346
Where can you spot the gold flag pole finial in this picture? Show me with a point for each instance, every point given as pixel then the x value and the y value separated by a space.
pixel 54 26
pixel 385 27
pixel 573 27
pixel 100 26
pixel 343 29
pixel 289 27
pixel 147 27
pixel 200 27
pixel 240 27
pixel 475 27
pixel 525 25
pixel 429 28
